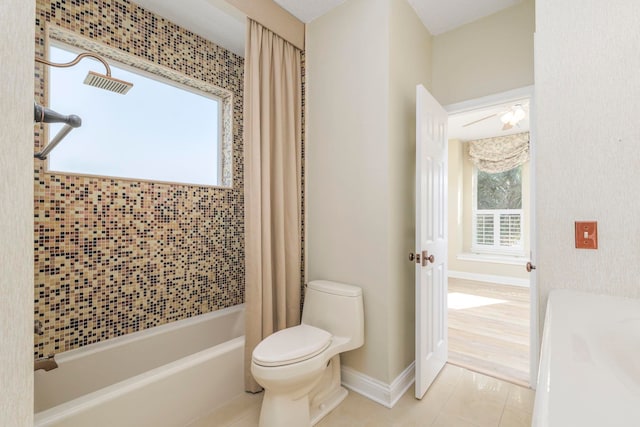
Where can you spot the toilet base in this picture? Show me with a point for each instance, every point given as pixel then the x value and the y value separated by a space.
pixel 328 393
pixel 281 410
pixel 328 405
pixel 306 405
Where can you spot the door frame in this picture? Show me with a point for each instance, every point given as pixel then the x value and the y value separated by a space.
pixel 488 101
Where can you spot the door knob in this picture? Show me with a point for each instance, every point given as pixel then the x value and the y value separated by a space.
pixel 530 267
pixel 426 259
pixel 423 260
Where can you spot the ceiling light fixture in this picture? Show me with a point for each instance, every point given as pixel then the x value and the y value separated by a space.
pixel 512 117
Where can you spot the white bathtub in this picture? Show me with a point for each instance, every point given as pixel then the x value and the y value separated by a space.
pixel 169 375
pixel 590 362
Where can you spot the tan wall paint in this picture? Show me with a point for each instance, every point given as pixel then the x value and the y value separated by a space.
pixel 409 65
pixel 456 201
pixel 16 213
pixel 346 163
pixel 274 17
pixel 364 60
pixel 587 101
pixel 460 218
pixel 491 55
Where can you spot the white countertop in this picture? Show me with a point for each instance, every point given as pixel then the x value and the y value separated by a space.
pixel 590 362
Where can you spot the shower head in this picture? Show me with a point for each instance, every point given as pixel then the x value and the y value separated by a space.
pixel 107 82
pixel 102 81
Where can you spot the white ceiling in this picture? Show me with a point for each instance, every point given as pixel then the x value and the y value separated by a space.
pixel 488 128
pixel 308 10
pixel 218 21
pixel 438 16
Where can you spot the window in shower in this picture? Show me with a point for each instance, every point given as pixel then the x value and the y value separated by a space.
pixel 162 130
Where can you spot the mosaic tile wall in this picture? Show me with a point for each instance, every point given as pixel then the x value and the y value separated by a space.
pixel 115 256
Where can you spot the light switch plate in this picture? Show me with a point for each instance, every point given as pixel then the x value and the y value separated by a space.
pixel 588 229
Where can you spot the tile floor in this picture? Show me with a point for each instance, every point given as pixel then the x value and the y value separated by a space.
pixel 458 398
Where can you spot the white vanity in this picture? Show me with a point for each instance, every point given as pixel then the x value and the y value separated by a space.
pixel 590 362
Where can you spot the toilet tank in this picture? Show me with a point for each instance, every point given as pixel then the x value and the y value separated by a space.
pixel 337 308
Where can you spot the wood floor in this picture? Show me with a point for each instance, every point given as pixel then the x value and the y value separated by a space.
pixel 489 329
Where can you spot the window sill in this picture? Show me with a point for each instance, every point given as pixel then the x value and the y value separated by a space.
pixel 496 259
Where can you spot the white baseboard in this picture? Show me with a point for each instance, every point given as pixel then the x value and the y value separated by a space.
pixel 500 280
pixel 371 388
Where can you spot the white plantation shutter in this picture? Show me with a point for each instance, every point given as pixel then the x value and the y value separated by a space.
pixel 498 230
pixel 510 235
pixel 484 229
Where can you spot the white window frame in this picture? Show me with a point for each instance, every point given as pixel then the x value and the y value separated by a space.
pixel 65 39
pixel 496 248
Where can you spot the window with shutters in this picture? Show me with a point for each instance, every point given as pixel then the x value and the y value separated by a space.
pixel 497 212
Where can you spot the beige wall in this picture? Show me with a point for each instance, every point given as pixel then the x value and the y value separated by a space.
pixel 588 132
pixel 16 213
pixel 364 60
pixel 491 55
pixel 346 163
pixel 456 200
pixel 460 217
pixel 409 65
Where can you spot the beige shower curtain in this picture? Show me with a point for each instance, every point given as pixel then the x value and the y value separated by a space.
pixel 272 184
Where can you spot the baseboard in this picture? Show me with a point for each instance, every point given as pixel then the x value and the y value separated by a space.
pixel 373 389
pixel 500 280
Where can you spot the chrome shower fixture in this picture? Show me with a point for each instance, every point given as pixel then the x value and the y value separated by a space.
pixel 102 81
pixel 44 115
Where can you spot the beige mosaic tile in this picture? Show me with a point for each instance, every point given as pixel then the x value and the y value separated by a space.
pixel 114 256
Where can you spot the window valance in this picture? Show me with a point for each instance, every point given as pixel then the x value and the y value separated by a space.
pixel 500 154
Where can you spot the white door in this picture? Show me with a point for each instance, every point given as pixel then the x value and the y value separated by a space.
pixel 431 239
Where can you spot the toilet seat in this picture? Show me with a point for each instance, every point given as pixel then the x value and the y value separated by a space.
pixel 291 345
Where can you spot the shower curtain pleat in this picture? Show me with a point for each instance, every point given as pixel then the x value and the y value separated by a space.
pixel 272 184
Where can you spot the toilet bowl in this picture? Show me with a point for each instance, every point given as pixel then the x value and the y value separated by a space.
pixel 299 367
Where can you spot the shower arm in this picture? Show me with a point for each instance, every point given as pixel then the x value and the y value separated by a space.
pixel 79 58
pixel 44 115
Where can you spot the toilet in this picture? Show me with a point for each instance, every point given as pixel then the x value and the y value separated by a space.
pixel 299 367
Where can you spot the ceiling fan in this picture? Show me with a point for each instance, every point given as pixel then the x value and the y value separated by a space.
pixel 509 117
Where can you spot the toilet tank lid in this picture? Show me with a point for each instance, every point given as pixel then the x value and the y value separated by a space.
pixel 335 288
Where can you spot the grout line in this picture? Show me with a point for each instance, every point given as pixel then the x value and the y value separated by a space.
pixel 504 405
pixel 490 373
pixel 455 387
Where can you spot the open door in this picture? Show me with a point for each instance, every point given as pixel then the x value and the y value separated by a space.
pixel 431 239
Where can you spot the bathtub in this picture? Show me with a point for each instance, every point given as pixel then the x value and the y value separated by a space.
pixel 589 363
pixel 169 375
